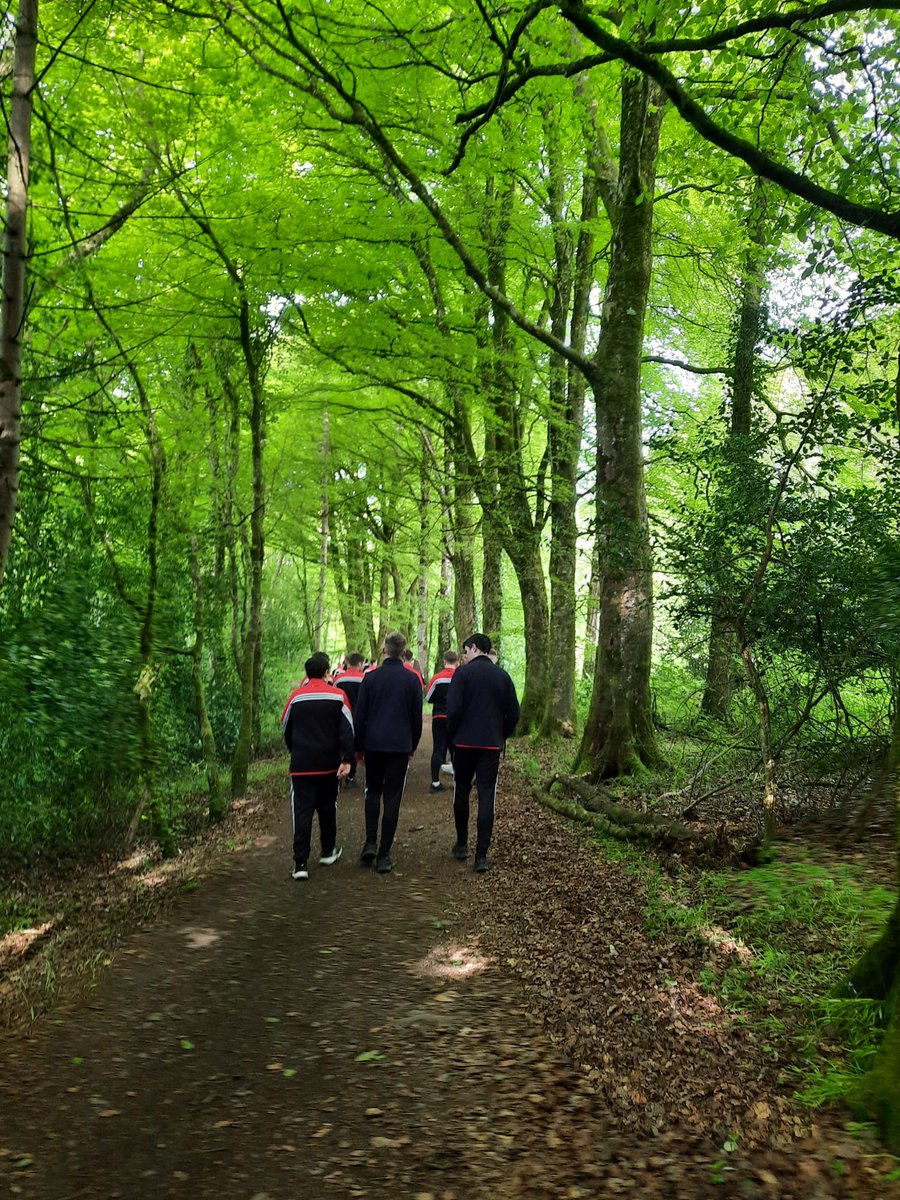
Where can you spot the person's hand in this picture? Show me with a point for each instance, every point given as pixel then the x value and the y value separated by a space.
pixel 343 771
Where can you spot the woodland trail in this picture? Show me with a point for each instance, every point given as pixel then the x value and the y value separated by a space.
pixel 367 1036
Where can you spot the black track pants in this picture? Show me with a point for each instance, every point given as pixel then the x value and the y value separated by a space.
pixel 483 766
pixel 314 794
pixel 439 753
pixel 385 781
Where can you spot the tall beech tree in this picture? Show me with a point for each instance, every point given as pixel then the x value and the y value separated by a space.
pixel 15 251
pixel 744 384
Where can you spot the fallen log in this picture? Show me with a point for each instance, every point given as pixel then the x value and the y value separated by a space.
pixel 618 814
pixel 609 817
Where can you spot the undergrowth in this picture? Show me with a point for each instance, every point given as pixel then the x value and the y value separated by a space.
pixel 781 938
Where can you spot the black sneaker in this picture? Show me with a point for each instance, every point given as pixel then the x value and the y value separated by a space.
pixel 481 864
pixel 438 787
pixel 460 851
pixel 367 857
pixel 300 871
pixel 384 865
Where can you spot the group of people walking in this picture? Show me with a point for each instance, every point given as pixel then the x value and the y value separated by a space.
pixel 374 716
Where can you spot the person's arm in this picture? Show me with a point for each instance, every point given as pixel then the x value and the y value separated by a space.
pixel 360 714
pixel 511 715
pixel 455 701
pixel 345 735
pixel 416 716
pixel 286 715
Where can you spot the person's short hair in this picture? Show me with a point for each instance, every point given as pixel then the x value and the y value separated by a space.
pixel 355 660
pixel 394 645
pixel 450 656
pixel 480 641
pixel 316 666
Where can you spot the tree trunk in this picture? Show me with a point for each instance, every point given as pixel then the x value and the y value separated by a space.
pixel 536 615
pixel 618 736
pixel 491 583
pixel 143 689
pixel 424 560
pixel 492 552
pixel 15 255
pixel 770 789
pixel 592 619
pixel 720 668
pixel 319 621
pixel 465 616
pixel 214 783
pixel 228 516
pixel 445 623
pixel 240 762
pixel 572 284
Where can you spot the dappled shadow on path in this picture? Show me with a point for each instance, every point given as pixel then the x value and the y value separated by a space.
pixel 429 1034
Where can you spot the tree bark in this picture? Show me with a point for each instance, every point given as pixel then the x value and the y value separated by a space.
pixel 536 616
pixel 592 618
pixel 510 506
pixel 618 737
pixel 424 560
pixel 445 624
pixel 217 795
pixel 240 762
pixel 319 622
pixel 15 257
pixel 492 552
pixel 491 584
pixel 720 669
pixel 573 279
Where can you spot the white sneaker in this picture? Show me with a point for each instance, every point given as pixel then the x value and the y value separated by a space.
pixel 448 767
pixel 328 860
pixel 300 871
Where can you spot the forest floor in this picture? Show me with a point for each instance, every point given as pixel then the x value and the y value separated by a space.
pixel 431 1035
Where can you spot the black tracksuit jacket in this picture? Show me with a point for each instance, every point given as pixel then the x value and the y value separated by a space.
pixel 388 711
pixel 482 706
pixel 436 693
pixel 349 682
pixel 317 728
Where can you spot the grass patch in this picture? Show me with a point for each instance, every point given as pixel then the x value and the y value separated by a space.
pixel 18 912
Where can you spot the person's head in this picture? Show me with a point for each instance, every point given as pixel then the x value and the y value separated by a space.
pixel 355 661
pixel 477 643
pixel 493 656
pixel 394 645
pixel 407 655
pixel 451 658
pixel 316 666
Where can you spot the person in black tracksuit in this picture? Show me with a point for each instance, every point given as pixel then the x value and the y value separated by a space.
pixel 388 722
pixel 318 731
pixel 482 712
pixel 348 678
pixel 436 696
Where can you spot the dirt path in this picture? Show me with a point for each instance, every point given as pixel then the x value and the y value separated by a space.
pixel 269 1038
pixel 369 1036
